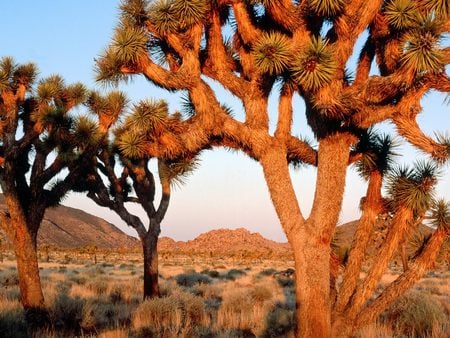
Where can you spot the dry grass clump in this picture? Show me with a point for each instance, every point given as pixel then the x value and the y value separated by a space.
pixel 170 316
pixel 376 330
pixel 416 314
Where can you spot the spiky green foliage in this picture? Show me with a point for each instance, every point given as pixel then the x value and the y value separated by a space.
pixel 417 242
pixel 444 140
pixel 441 8
pixel 316 65
pixel 422 51
pixel 413 188
pixel 25 74
pixel 129 44
pixel 107 68
pixel 401 14
pixel 50 88
pixel 187 107
pixel 440 214
pixel 190 12
pixel 176 172
pixel 76 93
pixel 378 153
pixel 146 115
pixel 112 104
pixel 133 12
pixel 131 144
pixel 162 14
pixel 272 53
pixel 327 7
pixel 85 132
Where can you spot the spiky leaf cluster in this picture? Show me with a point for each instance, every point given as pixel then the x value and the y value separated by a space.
pixel 85 132
pixel 327 8
pixel 176 172
pixel 422 54
pixel 378 152
pixel 441 8
pixel 12 74
pixel 147 115
pixel 112 104
pixel 413 188
pixel 129 44
pixel 401 14
pixel 316 65
pixel 133 12
pixel 131 144
pixel 272 53
pixel 444 141
pixel 51 88
pixel 108 68
pixel 190 12
pixel 440 214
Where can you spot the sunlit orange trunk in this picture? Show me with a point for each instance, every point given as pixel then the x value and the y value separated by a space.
pixel 28 272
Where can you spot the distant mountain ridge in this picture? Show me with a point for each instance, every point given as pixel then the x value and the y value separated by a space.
pixel 69 228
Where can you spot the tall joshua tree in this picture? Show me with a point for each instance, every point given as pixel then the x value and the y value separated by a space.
pixel 121 174
pixel 38 140
pixel 256 47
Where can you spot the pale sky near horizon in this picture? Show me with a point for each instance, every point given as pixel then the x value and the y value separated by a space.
pixel 228 190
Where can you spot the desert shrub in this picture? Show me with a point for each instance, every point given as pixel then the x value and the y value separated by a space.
pixel 99 286
pixel 280 322
pixel 99 314
pixel 234 273
pixel 12 320
pixel 66 312
pixel 267 272
pixel 191 279
pixel 415 314
pixel 80 280
pixel 116 294
pixel 285 282
pixel 376 330
pixel 237 310
pixel 106 265
pixel 260 293
pixel 210 273
pixel 9 278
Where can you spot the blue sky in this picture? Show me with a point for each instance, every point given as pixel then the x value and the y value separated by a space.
pixel 228 190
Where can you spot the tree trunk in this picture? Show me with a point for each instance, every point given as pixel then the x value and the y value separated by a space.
pixel 311 255
pixel 404 256
pixel 28 272
pixel 149 246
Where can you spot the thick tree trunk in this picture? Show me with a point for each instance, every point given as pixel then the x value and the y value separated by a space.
pixel 28 272
pixel 149 246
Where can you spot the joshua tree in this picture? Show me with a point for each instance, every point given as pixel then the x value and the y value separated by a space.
pixel 123 155
pixel 38 140
pixel 256 47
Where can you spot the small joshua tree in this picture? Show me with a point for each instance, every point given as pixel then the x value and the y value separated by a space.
pixel 38 140
pixel 254 48
pixel 135 183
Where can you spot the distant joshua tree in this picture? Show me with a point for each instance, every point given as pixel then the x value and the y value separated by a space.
pixel 38 140
pixel 255 48
pixel 120 174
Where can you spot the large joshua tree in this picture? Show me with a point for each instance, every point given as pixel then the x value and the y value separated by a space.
pixel 38 140
pixel 253 48
pixel 120 174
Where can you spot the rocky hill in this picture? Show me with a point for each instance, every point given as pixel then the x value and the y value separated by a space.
pixel 238 242
pixel 66 228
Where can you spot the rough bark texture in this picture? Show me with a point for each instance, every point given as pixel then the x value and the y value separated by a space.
pixel 151 286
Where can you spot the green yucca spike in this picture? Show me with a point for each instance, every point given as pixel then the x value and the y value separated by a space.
pixel 176 172
pixel 421 53
pixel 147 114
pixel 76 92
pixel 272 54
pixel 163 16
pixel 49 88
pixel 25 74
pixel 131 144
pixel 327 7
pixel 401 14
pixel 441 8
pixel 129 43
pixel 107 68
pixel 85 132
pixel 316 65
pixel 440 214
pixel 189 12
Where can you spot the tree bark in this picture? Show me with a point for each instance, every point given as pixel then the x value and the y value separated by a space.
pixel 149 246
pixel 28 272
